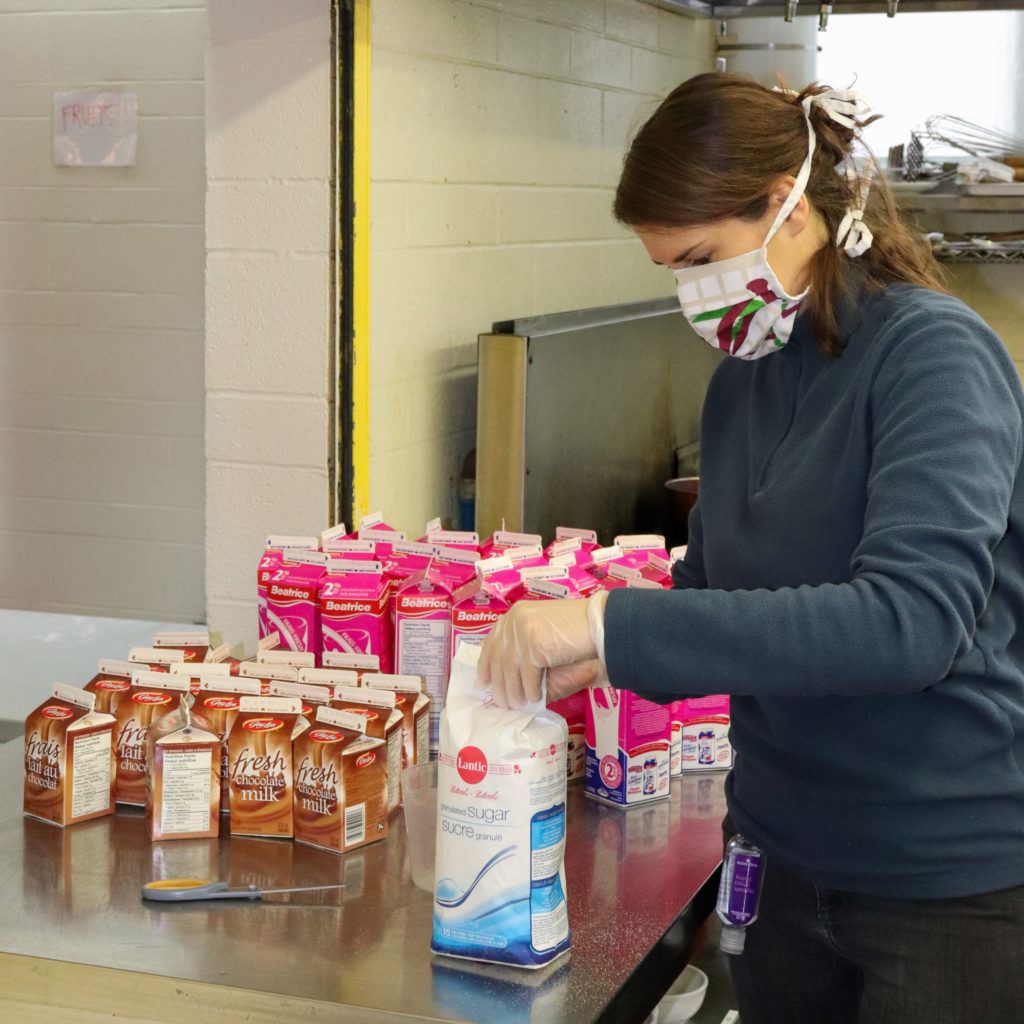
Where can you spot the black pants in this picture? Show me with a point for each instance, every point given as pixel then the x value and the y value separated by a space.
pixel 818 956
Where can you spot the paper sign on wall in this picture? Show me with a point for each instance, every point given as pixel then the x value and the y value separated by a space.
pixel 95 129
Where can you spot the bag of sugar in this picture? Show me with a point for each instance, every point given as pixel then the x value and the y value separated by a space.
pixel 499 893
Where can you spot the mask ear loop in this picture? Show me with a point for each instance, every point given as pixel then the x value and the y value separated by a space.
pixel 801 180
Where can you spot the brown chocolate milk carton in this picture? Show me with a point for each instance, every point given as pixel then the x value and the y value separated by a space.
pixel 193 671
pixel 260 766
pixel 363 664
pixel 110 683
pixel 151 695
pixel 297 659
pixel 415 707
pixel 155 659
pixel 69 759
pixel 217 700
pixel 383 722
pixel 183 782
pixel 312 696
pixel 341 786
pixel 197 647
pixel 267 674
pixel 329 677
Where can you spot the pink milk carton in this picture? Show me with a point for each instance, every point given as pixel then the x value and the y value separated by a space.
pixel 532 588
pixel 568 552
pixel 618 574
pixel 375 521
pixel 497 574
pixel 676 710
pixel 455 566
pixel 635 547
pixel 658 570
pixel 406 558
pixel 626 576
pixel 467 540
pixel 335 532
pixel 574 710
pixel 574 562
pixel 526 556
pixel 706 733
pixel 475 609
pixel 270 562
pixel 354 610
pixel 352 550
pixel 373 528
pixel 627 747
pixel 598 560
pixel 500 541
pixel 423 631
pixel 588 538
pixel 293 601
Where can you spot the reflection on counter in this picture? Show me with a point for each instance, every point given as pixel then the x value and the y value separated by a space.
pixel 701 797
pixel 48 879
pixel 471 991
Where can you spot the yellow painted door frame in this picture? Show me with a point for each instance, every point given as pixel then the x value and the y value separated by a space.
pixel 351 447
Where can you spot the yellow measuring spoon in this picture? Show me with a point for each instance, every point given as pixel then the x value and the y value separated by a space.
pixel 172 890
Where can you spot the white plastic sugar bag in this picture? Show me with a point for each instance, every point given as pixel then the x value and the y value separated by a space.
pixel 499 890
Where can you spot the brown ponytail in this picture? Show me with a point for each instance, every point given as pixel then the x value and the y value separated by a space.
pixel 718 143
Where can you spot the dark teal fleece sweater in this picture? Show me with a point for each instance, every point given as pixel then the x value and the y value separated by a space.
pixel 855 580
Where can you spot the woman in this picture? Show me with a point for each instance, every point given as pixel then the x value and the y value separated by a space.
pixel 854 576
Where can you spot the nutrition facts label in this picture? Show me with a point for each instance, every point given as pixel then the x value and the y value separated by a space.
pixel 185 804
pixel 423 651
pixel 90 791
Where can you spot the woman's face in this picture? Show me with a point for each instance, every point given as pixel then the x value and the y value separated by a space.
pixel 789 250
pixel 679 248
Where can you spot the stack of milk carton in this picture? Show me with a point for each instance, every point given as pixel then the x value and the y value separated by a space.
pixel 412 603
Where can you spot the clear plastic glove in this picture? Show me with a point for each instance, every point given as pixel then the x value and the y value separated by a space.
pixel 564 636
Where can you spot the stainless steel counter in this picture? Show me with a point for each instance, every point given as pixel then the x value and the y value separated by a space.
pixel 75 932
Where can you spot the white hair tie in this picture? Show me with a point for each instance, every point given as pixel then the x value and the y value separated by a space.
pixel 854 235
pixel 841 105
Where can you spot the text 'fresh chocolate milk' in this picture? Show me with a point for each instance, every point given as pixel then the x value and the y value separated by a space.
pixel 260 766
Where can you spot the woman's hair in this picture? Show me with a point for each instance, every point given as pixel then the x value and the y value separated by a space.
pixel 718 143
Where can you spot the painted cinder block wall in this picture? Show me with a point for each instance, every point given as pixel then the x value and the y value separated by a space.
pixel 268 290
pixel 497 131
pixel 101 317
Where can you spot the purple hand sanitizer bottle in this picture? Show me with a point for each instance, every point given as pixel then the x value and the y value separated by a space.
pixel 739 892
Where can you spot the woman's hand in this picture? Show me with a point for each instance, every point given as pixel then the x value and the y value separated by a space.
pixel 559 635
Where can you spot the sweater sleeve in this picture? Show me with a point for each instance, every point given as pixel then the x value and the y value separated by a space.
pixel 944 428
pixel 688 572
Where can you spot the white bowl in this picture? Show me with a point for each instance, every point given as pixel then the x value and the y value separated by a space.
pixel 684 998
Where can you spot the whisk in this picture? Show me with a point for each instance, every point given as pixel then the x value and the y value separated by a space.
pixel 976 139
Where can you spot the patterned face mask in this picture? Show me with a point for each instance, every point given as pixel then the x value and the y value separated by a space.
pixel 738 304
